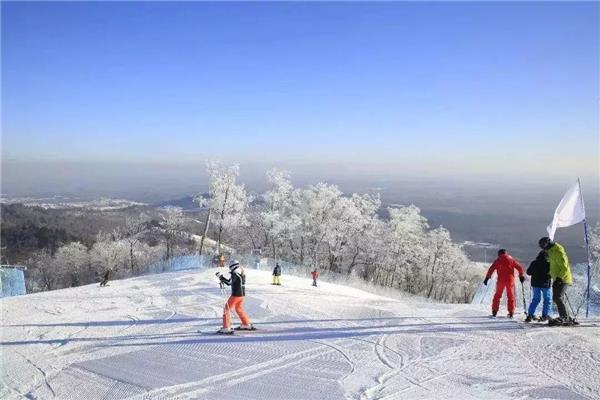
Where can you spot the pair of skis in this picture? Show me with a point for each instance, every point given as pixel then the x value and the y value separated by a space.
pixel 549 323
pixel 231 332
pixel 540 324
pixel 572 324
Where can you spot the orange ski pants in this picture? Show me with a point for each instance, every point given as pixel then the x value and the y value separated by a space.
pixel 510 293
pixel 235 303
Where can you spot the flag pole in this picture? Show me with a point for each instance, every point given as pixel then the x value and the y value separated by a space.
pixel 587 247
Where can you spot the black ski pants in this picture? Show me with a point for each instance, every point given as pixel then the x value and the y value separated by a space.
pixel 559 290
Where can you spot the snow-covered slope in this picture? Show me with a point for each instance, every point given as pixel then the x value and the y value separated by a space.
pixel 138 339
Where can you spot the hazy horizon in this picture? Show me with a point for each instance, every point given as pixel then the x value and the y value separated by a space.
pixel 162 181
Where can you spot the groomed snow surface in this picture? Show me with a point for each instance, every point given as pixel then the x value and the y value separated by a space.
pixel 138 339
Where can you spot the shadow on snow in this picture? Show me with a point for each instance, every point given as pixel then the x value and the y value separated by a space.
pixel 285 334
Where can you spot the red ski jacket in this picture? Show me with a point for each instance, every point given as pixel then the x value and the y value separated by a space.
pixel 505 267
pixel 314 274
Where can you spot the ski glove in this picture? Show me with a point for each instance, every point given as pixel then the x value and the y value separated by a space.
pixel 522 279
pixel 485 281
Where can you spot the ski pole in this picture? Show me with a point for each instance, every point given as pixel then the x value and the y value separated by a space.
pixel 524 304
pixel 570 306
pixel 222 290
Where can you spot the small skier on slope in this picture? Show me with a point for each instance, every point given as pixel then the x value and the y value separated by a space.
pixel 277 275
pixel 315 275
pixel 237 281
pixel 539 270
pixel 105 277
pixel 221 264
pixel 505 267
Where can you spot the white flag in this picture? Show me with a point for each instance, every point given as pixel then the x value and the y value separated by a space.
pixel 570 210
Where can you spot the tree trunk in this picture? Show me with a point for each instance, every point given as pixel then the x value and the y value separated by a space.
pixel 435 258
pixel 273 248
pixel 219 238
pixel 430 289
pixel 205 232
pixel 353 262
pixel 222 217
pixel 131 257
pixel 432 277
pixel 251 237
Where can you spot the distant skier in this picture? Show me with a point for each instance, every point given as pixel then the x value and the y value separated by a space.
pixel 505 267
pixel 105 277
pixel 315 275
pixel 237 281
pixel 560 272
pixel 277 275
pixel 539 270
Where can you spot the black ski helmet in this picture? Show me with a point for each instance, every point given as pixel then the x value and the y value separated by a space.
pixel 234 265
pixel 545 242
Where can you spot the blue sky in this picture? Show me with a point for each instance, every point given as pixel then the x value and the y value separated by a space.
pixel 424 88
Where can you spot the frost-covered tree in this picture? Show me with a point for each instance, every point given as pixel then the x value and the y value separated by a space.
pixel 172 228
pixel 594 275
pixel 441 251
pixel 594 240
pixel 146 255
pixel 405 241
pixel 109 253
pixel 451 275
pixel 374 252
pixel 43 268
pixel 352 218
pixel 135 226
pixel 317 208
pixel 71 261
pixel 227 200
pixel 279 215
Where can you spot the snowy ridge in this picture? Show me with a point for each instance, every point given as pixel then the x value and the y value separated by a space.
pixel 138 339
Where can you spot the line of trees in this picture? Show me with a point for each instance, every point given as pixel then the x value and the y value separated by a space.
pixel 321 227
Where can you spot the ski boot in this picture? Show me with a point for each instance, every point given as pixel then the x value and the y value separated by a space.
pixel 245 328
pixel 510 315
pixel 544 318
pixel 225 331
pixel 531 317
pixel 570 321
pixel 556 321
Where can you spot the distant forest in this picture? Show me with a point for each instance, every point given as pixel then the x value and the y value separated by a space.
pixel 71 247
pixel 27 229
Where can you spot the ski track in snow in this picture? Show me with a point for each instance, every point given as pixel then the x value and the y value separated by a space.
pixel 42 373
pixel 137 339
